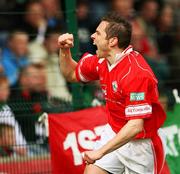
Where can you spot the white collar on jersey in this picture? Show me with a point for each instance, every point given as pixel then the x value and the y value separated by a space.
pixel 126 51
pixel 120 56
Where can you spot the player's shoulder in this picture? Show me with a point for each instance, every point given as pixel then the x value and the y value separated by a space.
pixel 139 63
pixel 139 67
pixel 88 55
pixel 137 58
pixel 92 57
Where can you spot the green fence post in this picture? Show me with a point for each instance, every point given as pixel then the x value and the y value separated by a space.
pixel 70 8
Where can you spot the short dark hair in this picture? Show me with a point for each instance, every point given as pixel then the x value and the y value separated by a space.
pixel 118 27
pixel 16 32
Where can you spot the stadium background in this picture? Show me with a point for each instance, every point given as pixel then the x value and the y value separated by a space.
pixel 156 35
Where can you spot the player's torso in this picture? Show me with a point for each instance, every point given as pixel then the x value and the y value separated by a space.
pixel 111 85
pixel 115 80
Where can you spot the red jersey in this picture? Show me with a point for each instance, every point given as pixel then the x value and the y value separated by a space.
pixel 129 87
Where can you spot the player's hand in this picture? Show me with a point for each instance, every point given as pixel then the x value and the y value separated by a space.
pixel 91 156
pixel 66 41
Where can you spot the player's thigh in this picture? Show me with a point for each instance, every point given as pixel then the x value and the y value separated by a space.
pixel 93 169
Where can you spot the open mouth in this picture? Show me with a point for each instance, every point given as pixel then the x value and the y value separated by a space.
pixel 95 46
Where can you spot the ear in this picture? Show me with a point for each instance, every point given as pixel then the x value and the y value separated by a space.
pixel 113 41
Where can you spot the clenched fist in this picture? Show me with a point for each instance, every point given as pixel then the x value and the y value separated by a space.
pixel 91 156
pixel 66 41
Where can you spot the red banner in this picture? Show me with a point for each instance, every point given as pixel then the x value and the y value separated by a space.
pixel 72 133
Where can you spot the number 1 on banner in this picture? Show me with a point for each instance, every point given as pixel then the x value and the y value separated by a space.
pixel 71 142
pixel 86 139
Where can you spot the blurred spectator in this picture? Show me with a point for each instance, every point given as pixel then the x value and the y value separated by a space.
pixel 29 100
pixel 35 23
pixel 14 56
pixel 85 27
pixel 140 40
pixel 98 9
pixel 144 23
pixel 175 4
pixel 165 40
pixel 175 60
pixel 48 54
pixel 124 7
pixel 54 14
pixel 12 141
pixel 165 32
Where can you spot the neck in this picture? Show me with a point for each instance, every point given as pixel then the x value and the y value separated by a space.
pixel 113 55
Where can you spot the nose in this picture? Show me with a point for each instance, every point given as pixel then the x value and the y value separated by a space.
pixel 93 36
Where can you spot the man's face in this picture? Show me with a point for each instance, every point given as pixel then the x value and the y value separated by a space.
pixel 35 14
pixel 99 39
pixel 150 10
pixel 4 91
pixel 19 44
pixel 34 79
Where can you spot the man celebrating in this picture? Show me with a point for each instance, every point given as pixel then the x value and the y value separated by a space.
pixel 130 143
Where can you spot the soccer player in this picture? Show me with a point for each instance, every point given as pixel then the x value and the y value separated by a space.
pixel 130 143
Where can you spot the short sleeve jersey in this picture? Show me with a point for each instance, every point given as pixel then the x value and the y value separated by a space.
pixel 129 87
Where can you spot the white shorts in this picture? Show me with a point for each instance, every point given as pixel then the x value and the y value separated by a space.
pixel 135 157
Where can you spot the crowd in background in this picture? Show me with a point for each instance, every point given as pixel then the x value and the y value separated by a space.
pixel 30 79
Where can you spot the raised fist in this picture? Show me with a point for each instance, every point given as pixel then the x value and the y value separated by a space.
pixel 66 41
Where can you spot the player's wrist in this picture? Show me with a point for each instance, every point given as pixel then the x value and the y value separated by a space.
pixel 64 51
pixel 101 152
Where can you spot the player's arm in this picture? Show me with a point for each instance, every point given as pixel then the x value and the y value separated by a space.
pixel 67 64
pixel 126 134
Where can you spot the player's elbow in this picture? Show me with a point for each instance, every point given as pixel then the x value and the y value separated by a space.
pixel 71 77
pixel 138 129
pixel 137 125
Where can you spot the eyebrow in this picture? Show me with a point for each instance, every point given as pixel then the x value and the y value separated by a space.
pixel 97 32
